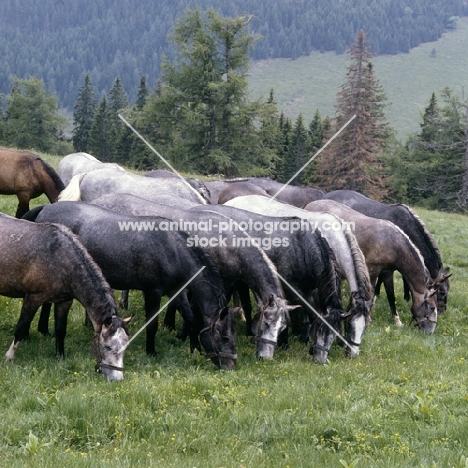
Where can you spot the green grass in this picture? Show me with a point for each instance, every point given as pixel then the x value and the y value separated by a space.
pixel 310 83
pixel 402 403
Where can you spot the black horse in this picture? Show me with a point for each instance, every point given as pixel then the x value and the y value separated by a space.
pixel 238 262
pixel 156 262
pixel 415 229
pixel 47 263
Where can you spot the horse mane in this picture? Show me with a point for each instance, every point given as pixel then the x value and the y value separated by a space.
pixel 72 191
pixel 329 282
pixel 413 249
pixel 52 174
pixel 360 266
pixel 428 237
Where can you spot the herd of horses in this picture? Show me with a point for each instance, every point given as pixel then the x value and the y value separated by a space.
pixel 289 248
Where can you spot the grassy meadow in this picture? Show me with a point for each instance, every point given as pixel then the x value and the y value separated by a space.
pixel 310 83
pixel 402 403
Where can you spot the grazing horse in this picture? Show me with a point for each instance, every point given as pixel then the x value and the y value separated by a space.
pixel 27 176
pixel 386 249
pixel 414 227
pixel 47 263
pixel 246 263
pixel 80 163
pixel 156 262
pixel 94 184
pixel 350 260
pixel 198 185
pixel 305 262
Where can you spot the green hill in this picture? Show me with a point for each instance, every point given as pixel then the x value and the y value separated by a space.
pixel 308 83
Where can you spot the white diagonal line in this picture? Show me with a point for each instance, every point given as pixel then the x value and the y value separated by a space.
pixel 313 157
pixel 157 154
pixel 354 348
pixel 163 307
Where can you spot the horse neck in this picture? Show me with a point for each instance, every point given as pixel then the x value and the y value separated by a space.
pixel 410 264
pixel 425 242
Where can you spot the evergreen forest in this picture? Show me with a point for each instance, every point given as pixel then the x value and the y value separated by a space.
pixel 60 41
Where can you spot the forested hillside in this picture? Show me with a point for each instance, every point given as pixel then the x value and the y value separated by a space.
pixel 62 40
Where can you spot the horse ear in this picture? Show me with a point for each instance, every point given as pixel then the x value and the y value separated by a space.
pixel 127 320
pixel 224 313
pixel 433 292
pixel 292 307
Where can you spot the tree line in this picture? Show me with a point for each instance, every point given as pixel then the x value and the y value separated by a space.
pixel 200 118
pixel 62 41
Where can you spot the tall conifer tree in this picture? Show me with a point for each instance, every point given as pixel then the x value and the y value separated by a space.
pixel 83 115
pixel 353 160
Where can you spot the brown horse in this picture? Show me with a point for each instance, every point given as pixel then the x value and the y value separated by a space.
pixel 27 176
pixel 386 249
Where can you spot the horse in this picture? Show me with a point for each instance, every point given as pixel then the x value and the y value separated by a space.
pixel 239 189
pixel 350 260
pixel 80 163
pixel 245 263
pixel 27 176
pixel 47 263
pixel 158 263
pixel 387 248
pixel 94 184
pixel 294 195
pixel 406 219
pixel 197 184
pixel 306 264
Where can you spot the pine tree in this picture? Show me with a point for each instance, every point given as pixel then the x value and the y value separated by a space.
pixel 142 94
pixel 83 115
pixel 202 111
pixel 31 116
pixel 118 100
pixel 101 135
pixel 353 160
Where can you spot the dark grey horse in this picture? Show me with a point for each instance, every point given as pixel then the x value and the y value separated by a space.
pixel 47 263
pixel 237 261
pixel 156 262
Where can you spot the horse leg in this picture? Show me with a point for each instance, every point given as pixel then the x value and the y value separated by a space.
pixel 23 205
pixel 152 302
pixel 170 317
pixel 189 326
pixel 123 301
pixel 387 279
pixel 244 297
pixel 28 310
pixel 61 310
pixel 43 324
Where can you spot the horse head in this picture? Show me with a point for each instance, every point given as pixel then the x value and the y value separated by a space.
pixel 356 322
pixel 274 318
pixel 425 311
pixel 108 347
pixel 219 340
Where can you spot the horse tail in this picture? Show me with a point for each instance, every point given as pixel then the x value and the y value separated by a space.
pixel 32 214
pixel 72 191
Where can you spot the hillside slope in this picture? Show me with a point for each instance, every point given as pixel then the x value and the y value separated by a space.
pixel 308 83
